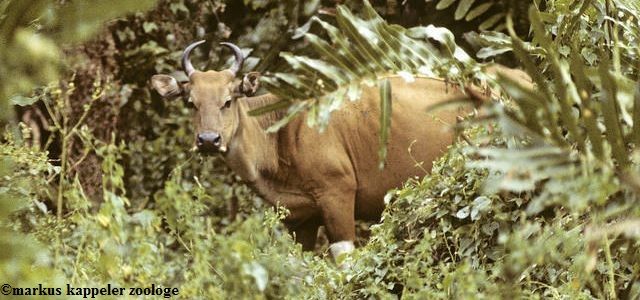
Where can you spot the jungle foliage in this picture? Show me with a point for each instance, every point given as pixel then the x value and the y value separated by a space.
pixel 538 199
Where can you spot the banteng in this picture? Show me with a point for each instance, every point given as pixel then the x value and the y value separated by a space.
pixel 329 178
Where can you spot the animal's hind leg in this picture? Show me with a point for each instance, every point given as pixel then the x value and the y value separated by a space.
pixel 306 233
pixel 337 206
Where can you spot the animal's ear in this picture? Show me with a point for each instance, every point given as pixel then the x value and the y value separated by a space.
pixel 166 85
pixel 250 83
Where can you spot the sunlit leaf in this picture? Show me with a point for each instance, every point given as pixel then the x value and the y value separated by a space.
pixel 22 100
pixel 463 8
pixel 385 119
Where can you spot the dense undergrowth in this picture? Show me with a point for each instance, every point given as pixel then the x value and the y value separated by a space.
pixel 535 203
pixel 440 237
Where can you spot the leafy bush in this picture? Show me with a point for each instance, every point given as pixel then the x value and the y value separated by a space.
pixel 541 202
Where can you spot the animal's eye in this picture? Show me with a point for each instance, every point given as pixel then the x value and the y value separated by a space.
pixel 189 103
pixel 227 103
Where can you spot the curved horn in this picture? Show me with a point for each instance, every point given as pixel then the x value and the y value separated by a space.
pixel 239 57
pixel 186 62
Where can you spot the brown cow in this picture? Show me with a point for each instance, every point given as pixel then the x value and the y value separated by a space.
pixel 328 178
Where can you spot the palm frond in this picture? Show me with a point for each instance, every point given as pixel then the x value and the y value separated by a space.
pixel 491 13
pixel 578 120
pixel 362 51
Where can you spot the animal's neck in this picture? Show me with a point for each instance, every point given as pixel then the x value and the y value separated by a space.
pixel 253 150
pixel 269 118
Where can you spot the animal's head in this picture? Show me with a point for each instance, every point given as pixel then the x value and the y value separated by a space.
pixel 212 94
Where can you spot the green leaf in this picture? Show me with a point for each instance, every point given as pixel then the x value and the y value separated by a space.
pixel 385 119
pixel 492 51
pixel 22 100
pixel 492 21
pixel 565 90
pixel 443 4
pixel 269 108
pixel 478 11
pixel 463 8
pixel 530 66
pixel 463 213
pixel 259 274
pixel 179 6
pixel 589 111
pixel 445 38
pixel 635 133
pixel 149 27
pixel 610 112
pixel 589 55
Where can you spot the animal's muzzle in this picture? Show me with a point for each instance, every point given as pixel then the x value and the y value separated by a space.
pixel 208 142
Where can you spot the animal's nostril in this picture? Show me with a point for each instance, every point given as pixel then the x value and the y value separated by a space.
pixel 209 140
